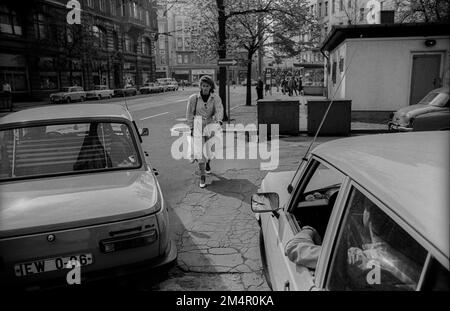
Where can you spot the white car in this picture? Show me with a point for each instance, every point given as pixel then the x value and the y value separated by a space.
pixel 76 185
pixel 68 94
pixel 379 204
pixel 100 92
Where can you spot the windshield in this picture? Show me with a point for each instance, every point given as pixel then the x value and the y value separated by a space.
pixel 66 148
pixel 435 99
pixel 65 89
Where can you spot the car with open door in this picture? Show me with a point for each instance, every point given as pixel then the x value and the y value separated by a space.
pixel 380 205
pixel 76 188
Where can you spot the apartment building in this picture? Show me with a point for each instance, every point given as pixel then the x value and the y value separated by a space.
pixel 41 53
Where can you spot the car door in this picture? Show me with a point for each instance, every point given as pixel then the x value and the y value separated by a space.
pixel 280 227
pixel 370 248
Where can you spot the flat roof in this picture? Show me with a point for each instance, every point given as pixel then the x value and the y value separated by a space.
pixel 408 172
pixel 342 32
pixel 66 111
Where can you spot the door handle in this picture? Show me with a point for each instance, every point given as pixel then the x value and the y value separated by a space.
pixel 287 287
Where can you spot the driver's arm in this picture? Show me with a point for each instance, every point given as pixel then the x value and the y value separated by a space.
pixel 303 248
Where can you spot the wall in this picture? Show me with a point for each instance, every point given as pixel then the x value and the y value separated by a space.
pixel 379 75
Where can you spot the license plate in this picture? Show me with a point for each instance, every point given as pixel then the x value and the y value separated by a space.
pixel 50 264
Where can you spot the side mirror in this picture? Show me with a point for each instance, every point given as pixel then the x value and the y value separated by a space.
pixel 265 202
pixel 144 132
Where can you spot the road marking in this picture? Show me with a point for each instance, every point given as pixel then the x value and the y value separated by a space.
pixel 181 100
pixel 156 115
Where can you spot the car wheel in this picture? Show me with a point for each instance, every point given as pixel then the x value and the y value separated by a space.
pixel 264 259
pixel 81 99
pixel 68 100
pixel 99 97
pixel 109 96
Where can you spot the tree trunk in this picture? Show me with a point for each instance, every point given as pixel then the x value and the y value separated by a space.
pixel 248 101
pixel 222 54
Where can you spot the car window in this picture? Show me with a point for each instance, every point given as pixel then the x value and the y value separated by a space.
pixel 66 148
pixel 373 252
pixel 435 99
pixel 315 196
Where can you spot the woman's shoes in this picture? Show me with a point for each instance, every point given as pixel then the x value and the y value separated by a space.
pixel 208 168
pixel 202 182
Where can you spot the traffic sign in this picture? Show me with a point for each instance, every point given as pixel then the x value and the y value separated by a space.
pixel 226 62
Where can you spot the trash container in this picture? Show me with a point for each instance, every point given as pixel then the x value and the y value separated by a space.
pixel 283 112
pixel 338 120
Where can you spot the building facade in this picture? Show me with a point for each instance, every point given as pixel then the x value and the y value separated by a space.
pixel 40 52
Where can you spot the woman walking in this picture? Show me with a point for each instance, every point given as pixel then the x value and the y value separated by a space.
pixel 203 109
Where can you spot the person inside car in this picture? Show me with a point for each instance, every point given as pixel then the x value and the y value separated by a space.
pixel 305 247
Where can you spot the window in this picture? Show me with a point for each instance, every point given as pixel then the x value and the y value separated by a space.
pixel 122 8
pixel 41 27
pixel 315 198
pixel 187 43
pixel 349 3
pixel 48 81
pixel 115 40
pixel 341 64
pixel 341 5
pixel 437 277
pixel 333 72
pixel 320 9
pixel 112 5
pixel 16 78
pixel 373 252
pixel 186 58
pixel 102 5
pixel 361 14
pixel 179 59
pixel 326 8
pixel 135 10
pixel 179 25
pixel 187 27
pixel 145 44
pixel 90 3
pixel 333 6
pixel 100 38
pixel 179 43
pixel 9 22
pixel 129 44
pixel 66 148
pixel 147 18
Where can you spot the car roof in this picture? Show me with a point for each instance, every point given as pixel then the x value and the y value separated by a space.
pixel 67 111
pixel 408 172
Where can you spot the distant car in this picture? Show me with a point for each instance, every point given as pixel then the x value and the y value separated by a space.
pixel 150 88
pixel 435 101
pixel 433 121
pixel 173 86
pixel 68 94
pixel 196 83
pixel 126 91
pixel 76 185
pixel 100 92
pixel 379 205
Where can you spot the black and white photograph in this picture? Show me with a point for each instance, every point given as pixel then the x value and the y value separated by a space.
pixel 224 150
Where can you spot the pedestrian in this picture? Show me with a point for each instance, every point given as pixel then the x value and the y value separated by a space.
pixel 300 86
pixel 294 87
pixel 7 94
pixel 290 86
pixel 283 86
pixel 260 88
pixel 204 110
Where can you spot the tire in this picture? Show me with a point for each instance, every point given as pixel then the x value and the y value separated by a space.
pixel 81 99
pixel 109 96
pixel 264 259
pixel 68 100
pixel 99 97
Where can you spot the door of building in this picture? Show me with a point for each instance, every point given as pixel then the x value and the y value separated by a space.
pixel 425 76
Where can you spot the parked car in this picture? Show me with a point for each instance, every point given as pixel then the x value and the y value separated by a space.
pixel 380 205
pixel 128 90
pixel 75 184
pixel 68 94
pixel 150 88
pixel 195 83
pixel 433 121
pixel 100 92
pixel 173 86
pixel 435 101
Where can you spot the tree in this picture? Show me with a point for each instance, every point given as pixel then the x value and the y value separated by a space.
pixel 248 25
pixel 413 11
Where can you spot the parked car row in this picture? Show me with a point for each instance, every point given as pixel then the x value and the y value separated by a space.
pixel 77 93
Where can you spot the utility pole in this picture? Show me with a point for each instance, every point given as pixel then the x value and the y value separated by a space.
pixel 222 54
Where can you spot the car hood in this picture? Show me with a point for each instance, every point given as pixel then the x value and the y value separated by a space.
pixel 278 182
pixel 43 205
pixel 416 110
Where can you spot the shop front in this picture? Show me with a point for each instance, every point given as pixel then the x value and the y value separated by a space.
pixel 198 73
